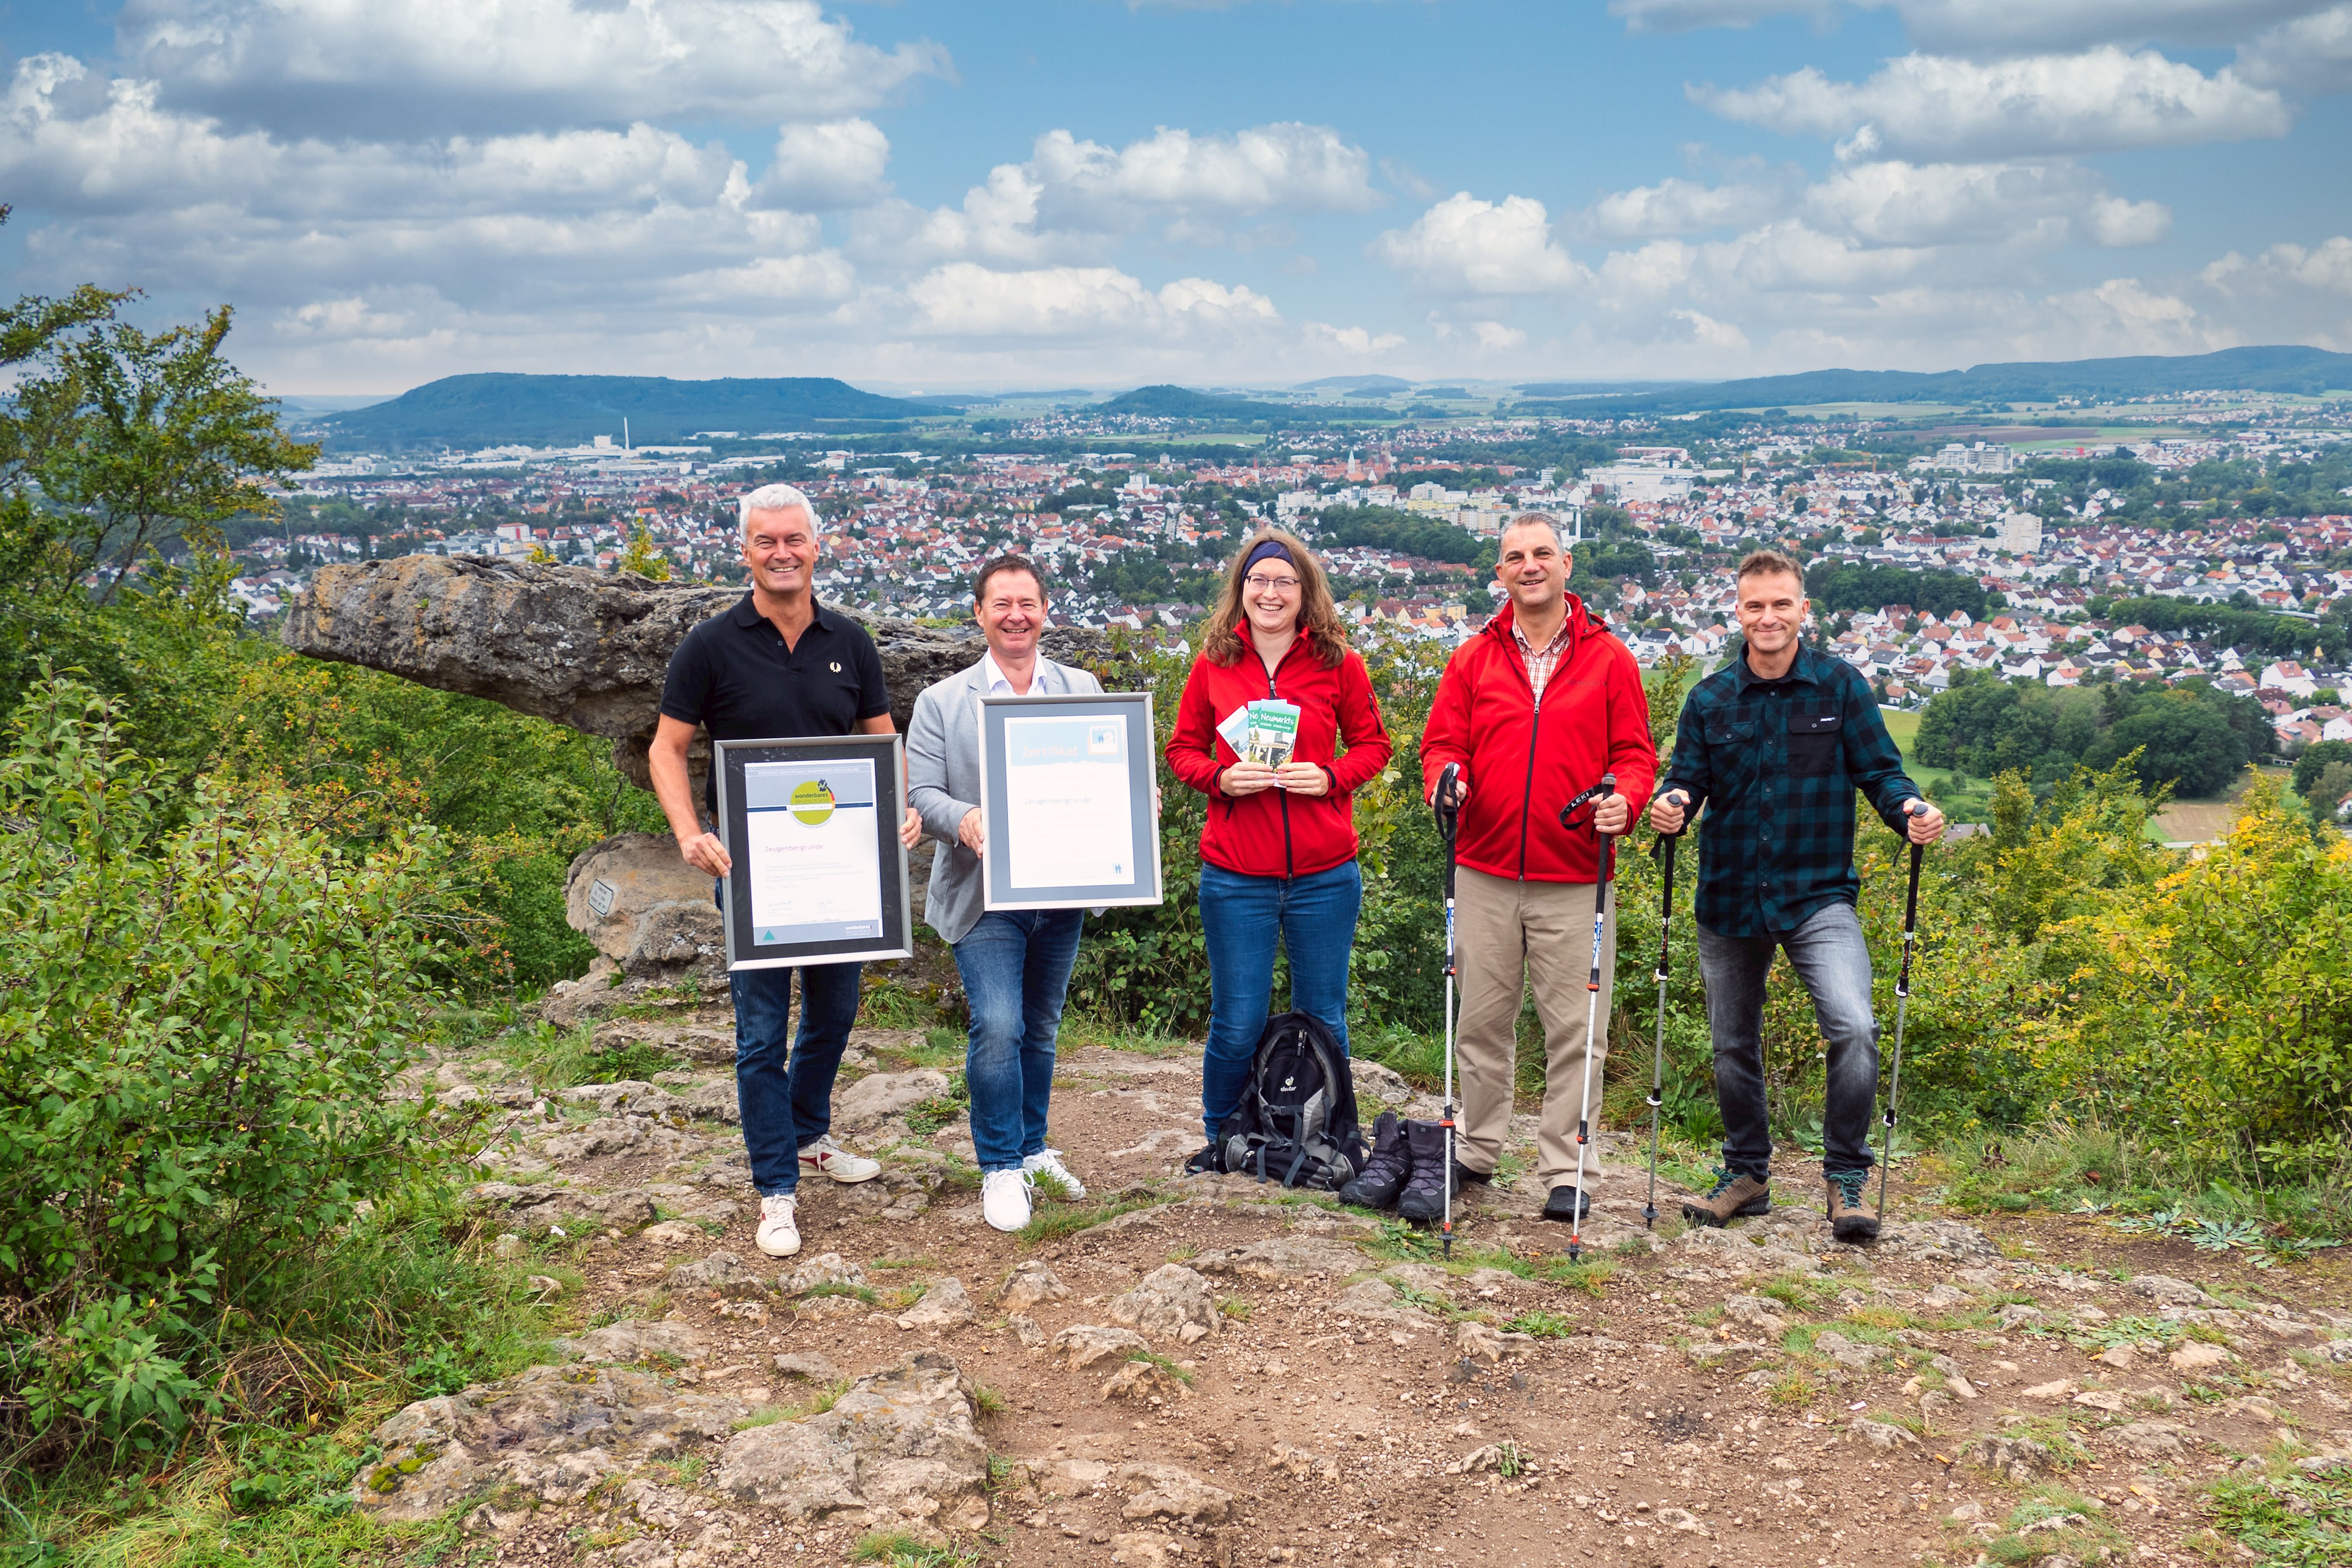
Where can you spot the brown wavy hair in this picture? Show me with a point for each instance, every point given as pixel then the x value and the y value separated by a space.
pixel 1225 639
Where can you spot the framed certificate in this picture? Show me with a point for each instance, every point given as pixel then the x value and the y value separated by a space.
pixel 811 825
pixel 1066 800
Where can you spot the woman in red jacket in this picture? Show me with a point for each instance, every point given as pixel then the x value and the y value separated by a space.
pixel 1278 853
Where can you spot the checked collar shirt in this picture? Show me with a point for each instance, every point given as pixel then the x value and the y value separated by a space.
pixel 1776 764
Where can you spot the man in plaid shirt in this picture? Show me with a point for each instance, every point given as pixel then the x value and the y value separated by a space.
pixel 1774 745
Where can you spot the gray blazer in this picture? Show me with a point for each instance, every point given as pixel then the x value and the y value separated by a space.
pixel 943 783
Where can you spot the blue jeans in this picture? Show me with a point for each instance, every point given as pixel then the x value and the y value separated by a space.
pixel 786 1090
pixel 1241 917
pixel 1833 960
pixel 1015 966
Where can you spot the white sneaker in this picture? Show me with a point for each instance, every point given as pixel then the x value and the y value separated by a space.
pixel 1004 1200
pixel 779 1234
pixel 828 1158
pixel 1047 1164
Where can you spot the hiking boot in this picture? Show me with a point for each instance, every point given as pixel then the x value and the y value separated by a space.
pixel 1849 1221
pixel 1464 1175
pixel 1384 1173
pixel 1733 1196
pixel 1568 1203
pixel 1425 1192
pixel 1208 1161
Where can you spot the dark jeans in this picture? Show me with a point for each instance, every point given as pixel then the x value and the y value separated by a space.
pixel 1833 962
pixel 1015 966
pixel 1241 917
pixel 786 1090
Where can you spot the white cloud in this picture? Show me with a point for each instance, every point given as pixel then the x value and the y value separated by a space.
pixel 1287 166
pixel 822 167
pixel 2101 100
pixel 1895 203
pixel 967 300
pixel 2325 269
pixel 424 68
pixel 2312 53
pixel 1466 246
pixel 1676 206
pixel 1993 27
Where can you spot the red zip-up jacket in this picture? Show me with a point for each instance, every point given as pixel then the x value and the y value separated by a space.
pixel 1523 760
pixel 1275 832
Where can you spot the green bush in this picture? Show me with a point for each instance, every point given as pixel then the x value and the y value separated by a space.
pixel 204 1001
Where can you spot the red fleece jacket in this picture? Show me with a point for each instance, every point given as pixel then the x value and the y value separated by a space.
pixel 1524 762
pixel 1275 832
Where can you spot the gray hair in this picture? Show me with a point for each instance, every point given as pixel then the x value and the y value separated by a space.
pixel 1533 521
pixel 777 498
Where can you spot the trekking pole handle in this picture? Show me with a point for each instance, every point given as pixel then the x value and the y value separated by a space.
pixel 1910 912
pixel 1448 814
pixel 1600 792
pixel 1665 853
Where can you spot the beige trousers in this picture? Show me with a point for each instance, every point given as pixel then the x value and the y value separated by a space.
pixel 1508 933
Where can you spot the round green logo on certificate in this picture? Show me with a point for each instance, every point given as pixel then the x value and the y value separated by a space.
pixel 813 801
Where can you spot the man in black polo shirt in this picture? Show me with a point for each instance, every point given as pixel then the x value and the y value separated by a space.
pixel 775 667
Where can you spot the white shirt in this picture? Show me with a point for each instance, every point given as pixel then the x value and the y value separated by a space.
pixel 993 679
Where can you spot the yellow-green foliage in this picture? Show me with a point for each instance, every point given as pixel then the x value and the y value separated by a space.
pixel 2221 995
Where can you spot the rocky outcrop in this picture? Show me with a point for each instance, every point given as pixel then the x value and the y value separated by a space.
pixel 567 643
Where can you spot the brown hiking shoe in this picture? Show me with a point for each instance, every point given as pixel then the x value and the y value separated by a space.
pixel 1849 1221
pixel 1733 1196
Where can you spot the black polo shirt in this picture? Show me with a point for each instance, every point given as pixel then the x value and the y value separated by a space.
pixel 734 676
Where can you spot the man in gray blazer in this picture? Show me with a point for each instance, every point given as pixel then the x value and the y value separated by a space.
pixel 1015 964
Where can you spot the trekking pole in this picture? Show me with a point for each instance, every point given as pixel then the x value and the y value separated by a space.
pixel 1448 817
pixel 1607 848
pixel 1902 1003
pixel 1665 853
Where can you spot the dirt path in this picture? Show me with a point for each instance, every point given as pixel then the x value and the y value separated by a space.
pixel 1323 1386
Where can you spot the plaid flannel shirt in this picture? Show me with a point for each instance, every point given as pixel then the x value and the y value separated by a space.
pixel 1776 763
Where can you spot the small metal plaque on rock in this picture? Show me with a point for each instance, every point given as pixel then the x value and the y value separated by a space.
pixel 600 894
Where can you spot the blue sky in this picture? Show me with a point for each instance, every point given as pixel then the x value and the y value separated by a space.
pixel 1089 192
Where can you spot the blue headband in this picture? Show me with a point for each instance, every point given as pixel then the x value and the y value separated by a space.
pixel 1268 549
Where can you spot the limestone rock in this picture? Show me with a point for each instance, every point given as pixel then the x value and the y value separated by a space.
pixel 1475 1341
pixel 2153 1441
pixel 1493 1457
pixel 551 1432
pixel 634 1339
pixel 1846 1353
pixel 1144 1549
pixel 824 1269
pixel 1144 1381
pixel 1376 1086
pixel 898 1450
pixel 1026 1330
pixel 675 1233
pixel 809 1364
pixel 613 886
pixel 1300 1465
pixel 1081 1345
pixel 946 1305
pixel 1882 1436
pixel 1941 1297
pixel 627 1094
pixel 1936 1242
pixel 2167 1291
pixel 1756 1312
pixel 1283 1257
pixel 1172 1493
pixel 536 1206
pixel 2021 1461
pixel 2196 1355
pixel 881 1094
pixel 1165 1303
pixel 722 1270
pixel 571 644
pixel 1030 1282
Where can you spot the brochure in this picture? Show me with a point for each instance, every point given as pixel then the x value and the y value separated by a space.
pixel 1273 732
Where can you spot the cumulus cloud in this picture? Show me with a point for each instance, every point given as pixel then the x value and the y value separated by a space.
pixel 1994 27
pixel 967 300
pixel 1679 207
pixel 823 167
pixel 2312 53
pixel 2102 100
pixel 1287 166
pixel 1895 203
pixel 422 68
pixel 1466 245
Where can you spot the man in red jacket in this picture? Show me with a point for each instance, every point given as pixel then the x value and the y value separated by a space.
pixel 1534 710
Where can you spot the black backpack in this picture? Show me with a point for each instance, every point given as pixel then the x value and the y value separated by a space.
pixel 1297 1122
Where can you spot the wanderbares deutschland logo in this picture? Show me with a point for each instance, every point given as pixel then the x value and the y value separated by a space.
pixel 812 802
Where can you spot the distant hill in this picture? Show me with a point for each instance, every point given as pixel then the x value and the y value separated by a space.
pixel 1165 401
pixel 495 410
pixel 2309 371
pixel 1588 389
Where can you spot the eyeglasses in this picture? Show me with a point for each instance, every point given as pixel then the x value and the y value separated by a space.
pixel 1258 584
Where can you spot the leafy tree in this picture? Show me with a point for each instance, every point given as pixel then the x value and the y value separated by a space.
pixel 1852 585
pixel 2315 760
